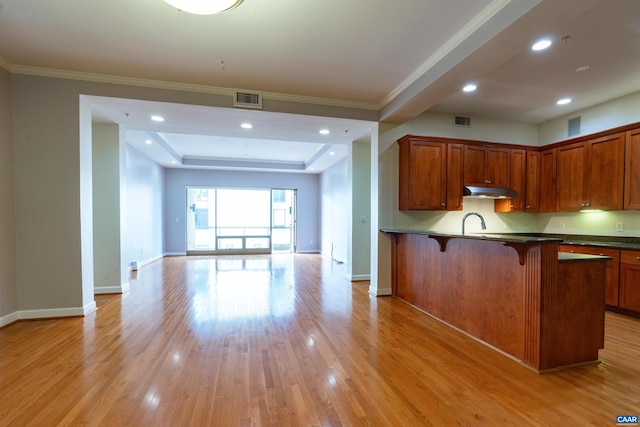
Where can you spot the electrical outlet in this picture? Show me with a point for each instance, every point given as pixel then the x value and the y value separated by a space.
pixel 562 225
pixel 620 226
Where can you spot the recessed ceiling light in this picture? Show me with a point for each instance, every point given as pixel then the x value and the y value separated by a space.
pixel 324 131
pixel 541 44
pixel 246 125
pixel 148 141
pixel 173 162
pixel 332 153
pixel 583 68
pixel 470 87
pixel 157 118
pixel 564 101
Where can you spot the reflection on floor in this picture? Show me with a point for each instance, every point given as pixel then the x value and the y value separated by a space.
pixel 287 340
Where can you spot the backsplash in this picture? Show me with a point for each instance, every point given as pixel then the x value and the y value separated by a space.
pixel 573 223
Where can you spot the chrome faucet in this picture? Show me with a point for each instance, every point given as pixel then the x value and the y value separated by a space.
pixel 482 224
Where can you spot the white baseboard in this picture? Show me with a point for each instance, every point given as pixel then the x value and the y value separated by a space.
pixel 358 277
pixel 9 318
pixel 308 251
pixel 112 289
pixel 57 312
pixel 175 254
pixel 379 292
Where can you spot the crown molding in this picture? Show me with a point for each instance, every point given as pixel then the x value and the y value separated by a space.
pixel 467 31
pixel 185 87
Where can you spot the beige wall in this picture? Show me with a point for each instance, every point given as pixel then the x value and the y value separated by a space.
pixel 8 290
pixel 53 182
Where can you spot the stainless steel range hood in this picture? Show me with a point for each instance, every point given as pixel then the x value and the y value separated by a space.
pixel 489 192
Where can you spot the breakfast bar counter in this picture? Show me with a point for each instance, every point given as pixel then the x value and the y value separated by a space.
pixel 513 293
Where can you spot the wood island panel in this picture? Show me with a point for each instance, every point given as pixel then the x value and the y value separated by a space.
pixel 515 297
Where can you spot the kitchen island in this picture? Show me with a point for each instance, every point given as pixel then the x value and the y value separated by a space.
pixel 513 293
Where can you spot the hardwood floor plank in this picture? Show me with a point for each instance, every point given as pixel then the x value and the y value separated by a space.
pixel 286 340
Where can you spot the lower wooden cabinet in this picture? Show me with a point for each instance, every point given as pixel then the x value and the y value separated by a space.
pixel 630 280
pixel 612 285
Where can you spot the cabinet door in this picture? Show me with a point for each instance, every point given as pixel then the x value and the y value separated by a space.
pixel 632 170
pixel 422 178
pixel 498 167
pixel 455 162
pixel 532 182
pixel 517 181
pixel 612 284
pixel 547 187
pixel 572 184
pixel 474 165
pixel 630 280
pixel 606 177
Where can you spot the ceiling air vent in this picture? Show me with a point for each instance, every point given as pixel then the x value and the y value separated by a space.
pixel 462 121
pixel 247 99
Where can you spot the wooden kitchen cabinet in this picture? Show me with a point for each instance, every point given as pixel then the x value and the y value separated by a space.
pixel 517 179
pixel 423 175
pixel 547 182
pixel 532 182
pixel 612 285
pixel 630 280
pixel 430 174
pixel 486 166
pixel 632 170
pixel 591 174
pixel 455 162
pixel 573 170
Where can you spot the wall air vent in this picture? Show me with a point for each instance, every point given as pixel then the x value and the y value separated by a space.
pixel 247 99
pixel 574 126
pixel 462 121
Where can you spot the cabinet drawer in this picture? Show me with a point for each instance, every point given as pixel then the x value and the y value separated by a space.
pixel 630 257
pixel 593 250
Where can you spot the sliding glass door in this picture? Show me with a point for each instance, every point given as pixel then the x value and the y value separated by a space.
pixel 222 220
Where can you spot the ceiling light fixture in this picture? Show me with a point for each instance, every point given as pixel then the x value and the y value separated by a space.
pixel 541 44
pixel 157 118
pixel 324 131
pixel 204 7
pixel 469 88
pixel 563 101
pixel 246 125
pixel 582 69
pixel 148 141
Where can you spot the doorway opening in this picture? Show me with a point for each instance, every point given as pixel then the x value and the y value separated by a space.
pixel 240 221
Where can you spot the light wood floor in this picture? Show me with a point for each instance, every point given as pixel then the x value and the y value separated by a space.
pixel 286 340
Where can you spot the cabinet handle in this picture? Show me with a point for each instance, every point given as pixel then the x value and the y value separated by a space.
pixel 442 204
pixel 638 258
pixel 528 206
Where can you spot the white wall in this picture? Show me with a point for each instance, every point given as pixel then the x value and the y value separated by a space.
pixel 177 180
pixel 336 212
pixel 608 115
pixel 8 290
pixel 144 210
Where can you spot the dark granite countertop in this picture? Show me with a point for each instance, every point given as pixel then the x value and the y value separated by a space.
pixel 516 238
pixel 628 243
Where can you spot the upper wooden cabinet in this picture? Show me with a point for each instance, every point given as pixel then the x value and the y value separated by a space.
pixel 517 178
pixel 430 174
pixel 632 170
pixel 486 166
pixel 591 174
pixel 547 181
pixel 532 182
